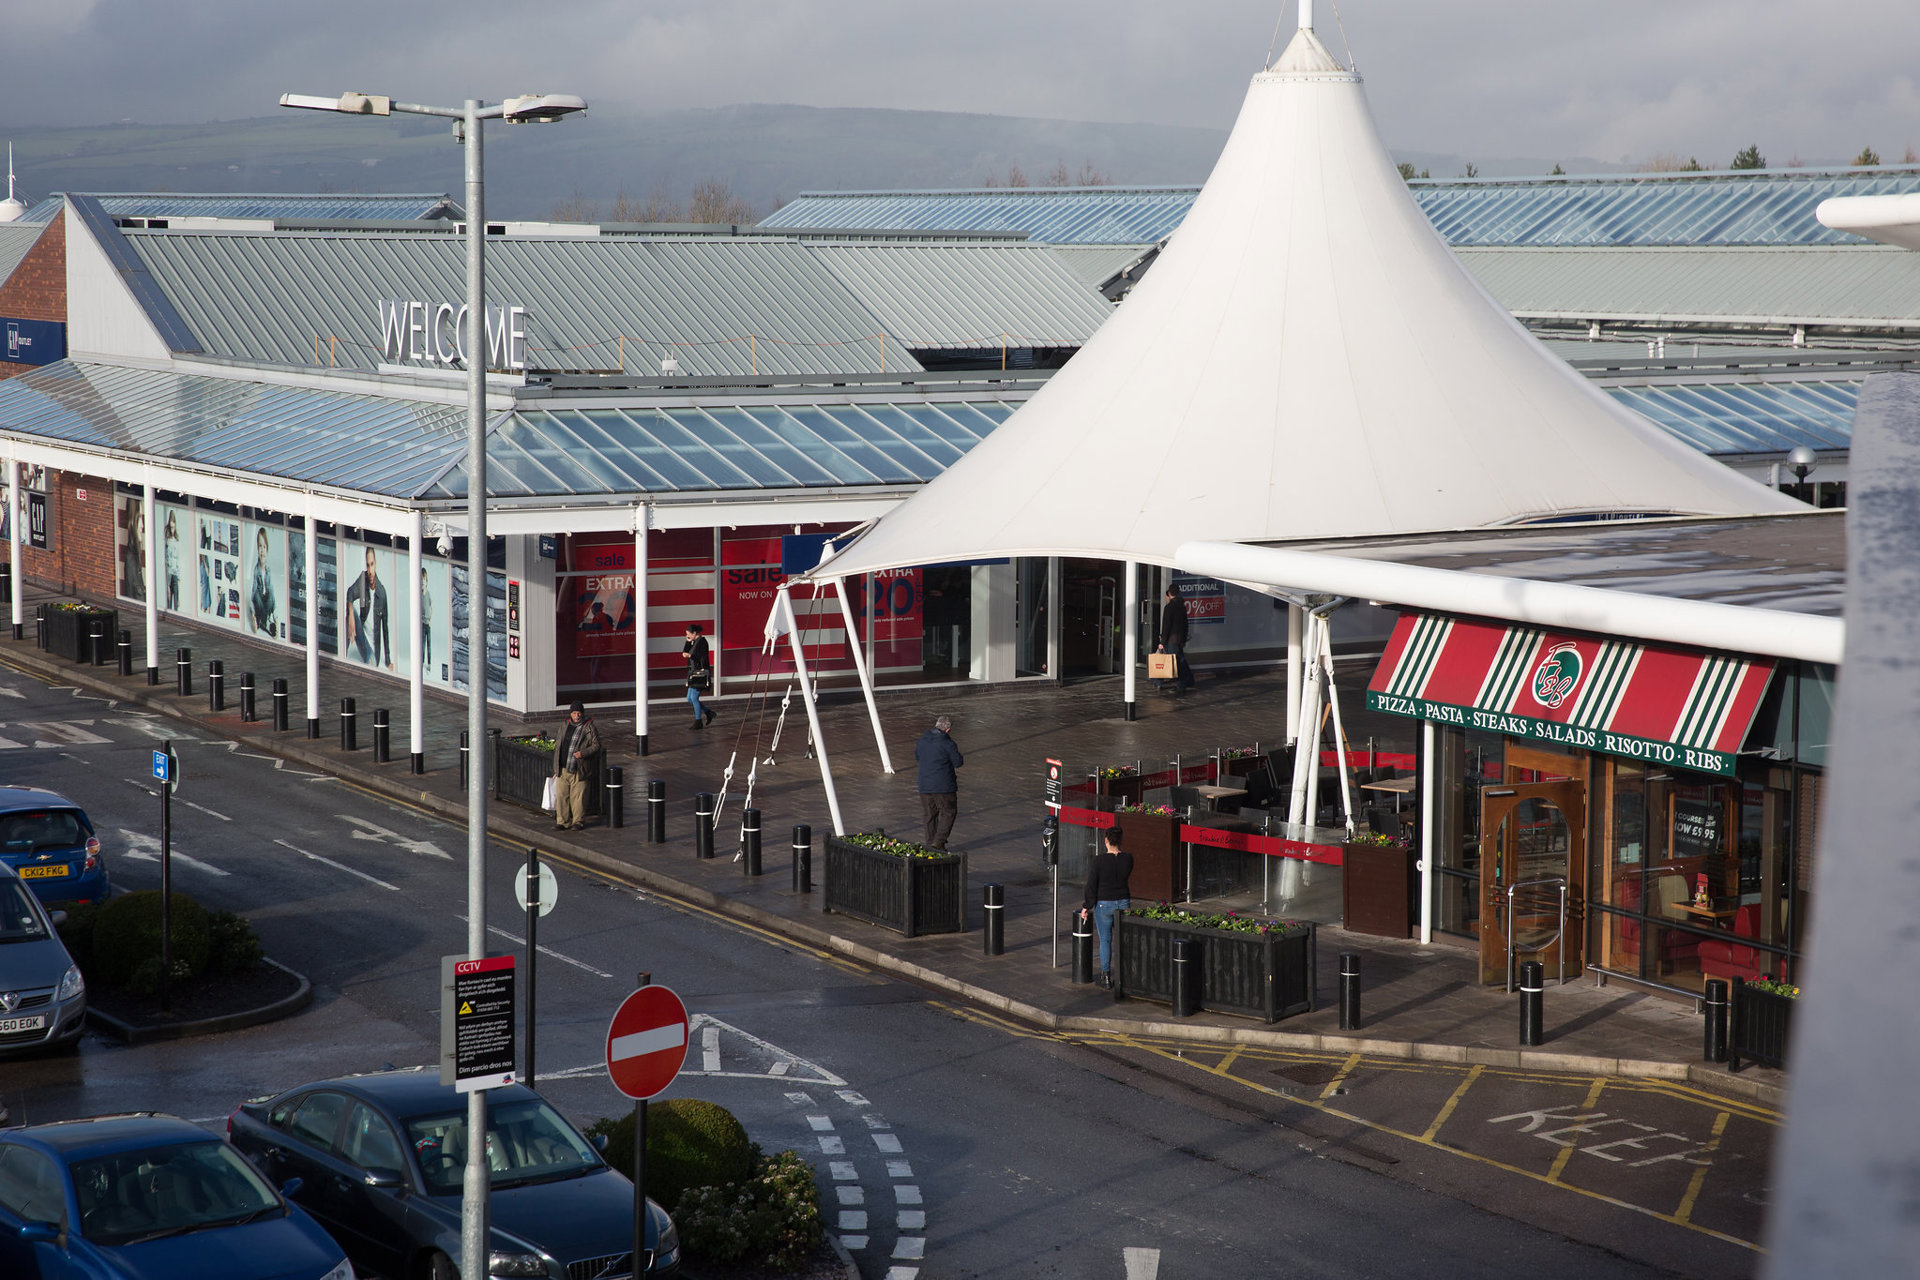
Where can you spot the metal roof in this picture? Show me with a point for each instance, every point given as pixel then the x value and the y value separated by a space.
pixel 1869 286
pixel 16 238
pixel 968 296
pixel 1749 417
pixel 720 306
pixel 337 206
pixel 1095 265
pixel 1763 207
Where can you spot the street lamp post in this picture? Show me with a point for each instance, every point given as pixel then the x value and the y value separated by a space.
pixel 529 108
pixel 1802 460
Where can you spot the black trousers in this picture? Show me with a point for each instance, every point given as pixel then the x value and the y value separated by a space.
pixel 940 809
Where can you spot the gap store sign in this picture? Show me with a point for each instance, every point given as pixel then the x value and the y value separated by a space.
pixel 33 341
pixel 435 334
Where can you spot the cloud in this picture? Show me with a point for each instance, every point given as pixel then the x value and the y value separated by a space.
pixel 1480 78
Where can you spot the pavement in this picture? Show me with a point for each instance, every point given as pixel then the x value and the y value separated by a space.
pixel 1420 1002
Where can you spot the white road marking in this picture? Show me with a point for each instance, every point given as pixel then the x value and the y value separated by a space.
pixel 887 1142
pixel 11 692
pixel 203 809
pixel 832 1147
pixel 821 1124
pixel 853 1220
pixel 842 1171
pixel 910 1220
pixel 787 1066
pixel 373 831
pixel 51 735
pixel 903 1194
pixel 519 941
pixel 853 1243
pixel 779 1068
pixel 851 1098
pixel 899 1169
pixel 911 1248
pixel 876 1121
pixel 798 1099
pixel 902 1273
pixel 338 866
pixel 8 744
pixel 141 847
pixel 850 1195
pixel 161 732
pixel 1142 1264
pixel 710 1048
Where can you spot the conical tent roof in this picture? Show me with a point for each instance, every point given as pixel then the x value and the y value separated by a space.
pixel 1306 360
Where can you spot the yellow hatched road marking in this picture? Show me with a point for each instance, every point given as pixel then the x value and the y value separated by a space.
pixel 1346 1069
pixel 1433 1130
pixel 1566 1152
pixel 1685 1212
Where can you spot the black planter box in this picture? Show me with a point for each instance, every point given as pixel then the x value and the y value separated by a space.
pixel 1268 978
pixel 1758 1026
pixel 520 773
pixel 908 895
pixel 69 631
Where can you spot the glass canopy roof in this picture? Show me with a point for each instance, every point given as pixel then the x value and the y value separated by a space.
pixel 1749 417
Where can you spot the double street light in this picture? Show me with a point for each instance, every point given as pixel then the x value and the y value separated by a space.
pixel 533 108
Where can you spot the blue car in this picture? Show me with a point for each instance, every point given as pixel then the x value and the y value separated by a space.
pixel 148 1197
pixel 381 1159
pixel 50 841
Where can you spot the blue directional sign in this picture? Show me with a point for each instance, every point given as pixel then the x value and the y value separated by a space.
pixel 162 766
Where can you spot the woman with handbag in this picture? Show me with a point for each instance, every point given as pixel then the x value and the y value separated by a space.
pixel 699 674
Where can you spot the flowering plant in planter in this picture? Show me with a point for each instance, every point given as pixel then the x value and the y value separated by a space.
pixel 1774 986
pixel 75 606
pixel 1238 753
pixel 537 741
pixel 1118 771
pixel 1226 921
pixel 1151 810
pixel 1376 838
pixel 879 842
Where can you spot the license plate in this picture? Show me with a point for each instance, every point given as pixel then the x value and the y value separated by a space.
pixel 52 872
pixel 11 1026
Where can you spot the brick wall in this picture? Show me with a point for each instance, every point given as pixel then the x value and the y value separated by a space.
pixel 81 560
pixel 37 289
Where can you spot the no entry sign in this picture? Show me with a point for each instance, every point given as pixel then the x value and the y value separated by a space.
pixel 647 1042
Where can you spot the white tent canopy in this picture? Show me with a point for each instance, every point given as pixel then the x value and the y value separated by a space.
pixel 1307 359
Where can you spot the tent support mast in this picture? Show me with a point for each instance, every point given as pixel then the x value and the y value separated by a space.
pixel 813 712
pixel 861 669
pixel 1339 731
pixel 1296 618
pixel 1130 650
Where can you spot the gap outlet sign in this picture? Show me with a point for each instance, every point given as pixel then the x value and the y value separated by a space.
pixel 33 341
pixel 435 333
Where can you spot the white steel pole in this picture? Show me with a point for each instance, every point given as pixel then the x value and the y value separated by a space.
pixel 313 620
pixel 15 518
pixel 416 632
pixel 1296 617
pixel 1429 842
pixel 1130 651
pixel 1306 15
pixel 1306 735
pixel 473 1202
pixel 860 666
pixel 641 516
pixel 149 528
pixel 1339 730
pixel 813 712
pixel 1054 629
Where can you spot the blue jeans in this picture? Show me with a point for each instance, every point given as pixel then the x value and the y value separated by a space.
pixel 1103 913
pixel 693 698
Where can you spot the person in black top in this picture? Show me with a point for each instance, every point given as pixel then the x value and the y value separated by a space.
pixel 1173 639
pixel 699 673
pixel 937 758
pixel 1107 896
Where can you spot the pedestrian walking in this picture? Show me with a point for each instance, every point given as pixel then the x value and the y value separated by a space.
pixel 699 674
pixel 938 757
pixel 1107 896
pixel 1173 639
pixel 576 758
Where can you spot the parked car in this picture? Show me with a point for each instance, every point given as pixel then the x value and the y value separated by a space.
pixel 148 1197
pixel 381 1158
pixel 43 998
pixel 50 841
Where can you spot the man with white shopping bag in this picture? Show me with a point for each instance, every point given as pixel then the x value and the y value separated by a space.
pixel 575 760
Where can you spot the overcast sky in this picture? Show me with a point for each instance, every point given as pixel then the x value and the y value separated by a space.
pixel 1478 78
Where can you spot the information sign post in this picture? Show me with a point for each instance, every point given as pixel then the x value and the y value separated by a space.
pixel 166 771
pixel 476 1022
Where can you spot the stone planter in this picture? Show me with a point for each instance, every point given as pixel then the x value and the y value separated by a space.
pixel 69 632
pixel 1266 977
pixel 1378 890
pixel 908 895
pixel 1759 1024
pixel 1159 873
pixel 520 773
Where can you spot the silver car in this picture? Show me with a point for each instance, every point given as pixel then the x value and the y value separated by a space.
pixel 43 998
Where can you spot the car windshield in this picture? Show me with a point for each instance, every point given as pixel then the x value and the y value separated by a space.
pixel 19 921
pixel 527 1141
pixel 31 830
pixel 163 1191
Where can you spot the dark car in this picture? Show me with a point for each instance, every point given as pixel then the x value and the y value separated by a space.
pixel 50 841
pixel 148 1197
pixel 43 998
pixel 381 1157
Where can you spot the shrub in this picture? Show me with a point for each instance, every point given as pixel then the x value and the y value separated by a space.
pixel 233 947
pixel 772 1219
pixel 690 1143
pixel 77 934
pixel 127 931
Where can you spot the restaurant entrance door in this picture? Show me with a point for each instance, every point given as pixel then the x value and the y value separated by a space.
pixel 1532 844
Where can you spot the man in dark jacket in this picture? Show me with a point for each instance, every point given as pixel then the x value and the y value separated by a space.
pixel 1173 639
pixel 939 787
pixel 576 757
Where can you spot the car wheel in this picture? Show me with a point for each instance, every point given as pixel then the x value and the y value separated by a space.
pixel 440 1267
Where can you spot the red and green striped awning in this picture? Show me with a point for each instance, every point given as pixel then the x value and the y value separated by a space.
pixel 1659 703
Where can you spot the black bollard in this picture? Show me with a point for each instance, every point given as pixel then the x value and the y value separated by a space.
pixel 1082 948
pixel 349 726
pixel 703 825
pixel 98 630
pixel 1182 978
pixel 750 841
pixel 125 647
pixel 616 805
pixel 279 704
pixel 382 736
pixel 656 812
pixel 183 672
pixel 994 920
pixel 1349 991
pixel 216 685
pixel 40 626
pixel 802 858
pixel 1716 1045
pixel 249 704
pixel 1533 983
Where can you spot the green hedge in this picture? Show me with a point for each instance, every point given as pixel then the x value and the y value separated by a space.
pixel 772 1219
pixel 117 943
pixel 690 1143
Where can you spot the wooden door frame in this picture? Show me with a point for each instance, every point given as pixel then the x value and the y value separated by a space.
pixel 1570 797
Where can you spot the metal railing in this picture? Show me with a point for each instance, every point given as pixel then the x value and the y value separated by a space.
pixel 1539 895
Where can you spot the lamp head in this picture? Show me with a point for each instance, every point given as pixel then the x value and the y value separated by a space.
pixel 353 104
pixel 543 108
pixel 1802 457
